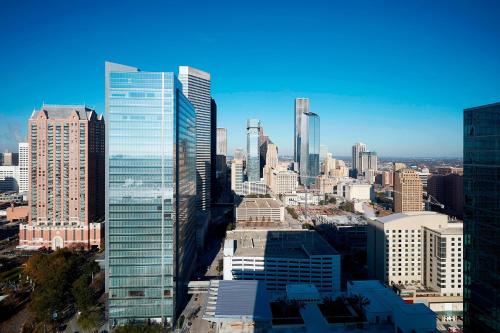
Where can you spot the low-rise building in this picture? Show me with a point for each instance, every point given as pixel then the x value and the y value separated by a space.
pixel 355 190
pixel 385 306
pixel 259 188
pixel 260 209
pixel 281 257
pixel 299 198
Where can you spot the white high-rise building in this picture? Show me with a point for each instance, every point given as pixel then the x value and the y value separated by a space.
pixel 196 87
pixel 9 178
pixel 283 181
pixel 356 150
pixel 367 161
pixel 23 167
pixel 237 176
pixel 221 141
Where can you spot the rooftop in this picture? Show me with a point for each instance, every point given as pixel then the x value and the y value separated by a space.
pixel 398 216
pixel 259 203
pixel 297 244
pixel 65 111
pixel 240 300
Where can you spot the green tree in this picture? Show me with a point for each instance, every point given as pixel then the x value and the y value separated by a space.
pixel 90 321
pixel 84 296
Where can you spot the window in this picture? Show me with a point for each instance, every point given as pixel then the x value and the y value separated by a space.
pixel 136 293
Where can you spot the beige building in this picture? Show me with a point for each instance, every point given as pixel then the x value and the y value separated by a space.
pixel 326 184
pixel 260 209
pixel 407 191
pixel 416 248
pixel 237 176
pixel 66 182
pixel 283 181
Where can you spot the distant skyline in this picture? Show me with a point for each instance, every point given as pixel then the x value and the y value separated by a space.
pixel 394 75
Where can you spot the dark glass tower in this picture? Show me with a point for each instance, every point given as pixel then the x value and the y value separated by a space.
pixel 482 218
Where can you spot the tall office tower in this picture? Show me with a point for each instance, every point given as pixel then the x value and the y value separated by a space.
pixel 356 150
pixel 239 154
pixel 396 166
pixel 272 156
pixel 221 141
pixel 9 159
pixel 323 151
pixel 407 191
pixel 213 151
pixel 23 167
pixel 66 182
pixel 449 191
pixel 367 161
pixel 253 154
pixel 196 87
pixel 481 218
pixel 309 152
pixel 301 107
pixel 328 164
pixel 151 194
pixel 237 176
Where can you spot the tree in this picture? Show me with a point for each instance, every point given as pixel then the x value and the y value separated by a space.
pixel 84 296
pixel 307 226
pixel 90 320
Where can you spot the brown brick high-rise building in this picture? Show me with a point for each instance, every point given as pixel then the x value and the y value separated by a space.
pixel 407 191
pixel 67 170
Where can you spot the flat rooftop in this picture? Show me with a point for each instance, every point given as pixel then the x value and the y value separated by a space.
pixel 259 203
pixel 293 244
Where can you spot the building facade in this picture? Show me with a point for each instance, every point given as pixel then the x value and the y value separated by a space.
pixel 222 141
pixel 407 191
pixel 406 248
pixel 260 209
pixel 9 178
pixel 309 144
pixel 301 107
pixel 23 167
pixel 356 150
pixel 237 176
pixel 368 161
pixel 196 86
pixel 66 180
pixel 253 152
pixel 482 218
pixel 449 191
pixel 151 195
pixel 283 181
pixel 281 257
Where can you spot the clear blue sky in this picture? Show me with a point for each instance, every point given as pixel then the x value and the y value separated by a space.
pixel 394 75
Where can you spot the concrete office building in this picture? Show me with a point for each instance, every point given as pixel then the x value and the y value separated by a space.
pixel 355 190
pixel 151 194
pixel 356 150
pixel 407 191
pixel 299 198
pixel 196 86
pixel 213 168
pixel 481 218
pixel 221 141
pixel 23 167
pixel 281 257
pixel 9 178
pixel 260 209
pixel 283 181
pixel 259 188
pixel 424 175
pixel 237 176
pixel 326 184
pixel 66 182
pixel 9 159
pixel 239 154
pixel 253 153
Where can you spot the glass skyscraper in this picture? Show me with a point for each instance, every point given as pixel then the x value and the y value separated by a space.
pixel 301 107
pixel 150 194
pixel 309 148
pixel 253 151
pixel 482 218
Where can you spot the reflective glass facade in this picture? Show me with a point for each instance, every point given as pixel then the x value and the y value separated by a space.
pixel 482 218
pixel 253 152
pixel 150 194
pixel 309 152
